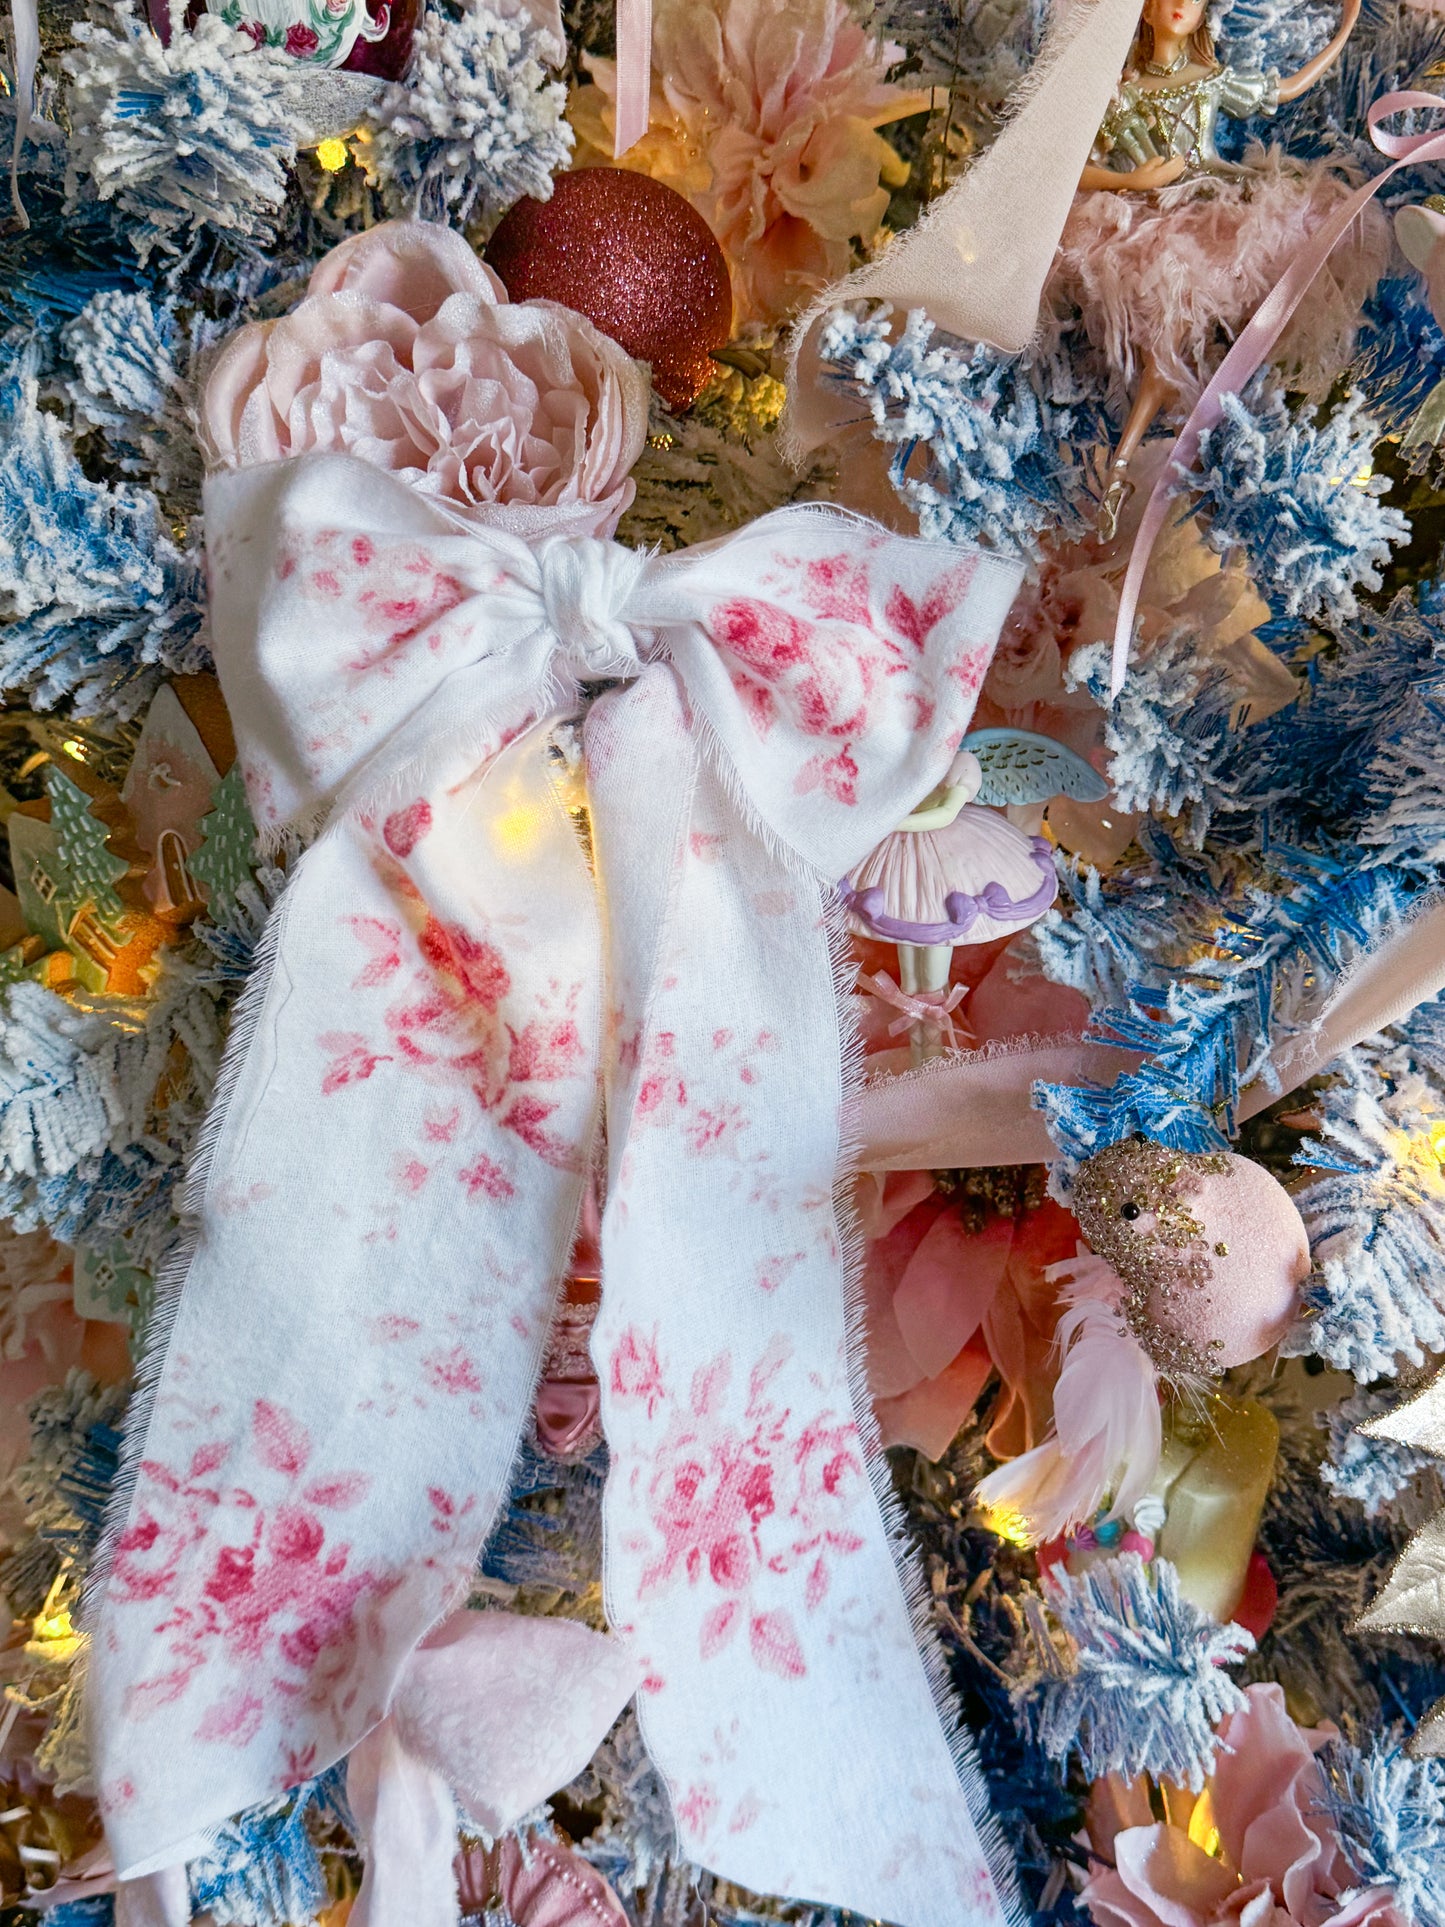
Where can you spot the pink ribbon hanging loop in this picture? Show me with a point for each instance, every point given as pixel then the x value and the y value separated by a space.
pixel 634 74
pixel 933 1009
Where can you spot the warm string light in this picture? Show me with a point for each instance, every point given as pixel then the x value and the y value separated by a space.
pixel 52 1631
pixel 1005 1524
pixel 516 829
pixel 1202 1830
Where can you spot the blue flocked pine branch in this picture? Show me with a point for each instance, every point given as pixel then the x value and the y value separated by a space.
pixel 983 450
pixel 263 1868
pixel 1389 1811
pixel 1373 1471
pixel 1167 730
pixel 196 134
pixel 85 1148
pixel 1301 501
pixel 63 1483
pixel 1375 1213
pixel 1271 35
pixel 1138 1682
pixel 95 1911
pixel 979 45
pixel 479 121
pixel 127 355
pixel 1206 1024
pixel 1392 49
pixel 1400 354
pixel 1404 779
pixel 97 602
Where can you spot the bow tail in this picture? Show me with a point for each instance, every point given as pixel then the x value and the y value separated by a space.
pixel 750 1551
pixel 388 1205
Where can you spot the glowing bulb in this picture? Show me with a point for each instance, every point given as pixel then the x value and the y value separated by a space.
pixel 1359 481
pixel 1202 1830
pixel 333 154
pixel 1437 1142
pixel 515 830
pixel 1006 1524
pixel 51 1631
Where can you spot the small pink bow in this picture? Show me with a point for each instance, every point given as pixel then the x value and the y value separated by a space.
pixel 932 1008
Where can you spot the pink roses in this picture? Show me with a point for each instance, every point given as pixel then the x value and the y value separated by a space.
pixel 406 353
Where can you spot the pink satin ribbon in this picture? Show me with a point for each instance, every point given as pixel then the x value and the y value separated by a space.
pixel 931 1008
pixel 1258 336
pixel 634 74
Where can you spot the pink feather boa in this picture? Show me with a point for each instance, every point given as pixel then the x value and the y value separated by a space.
pixel 1176 273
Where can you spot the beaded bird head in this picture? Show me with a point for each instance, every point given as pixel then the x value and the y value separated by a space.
pixel 1133 1205
pixel 1208 1248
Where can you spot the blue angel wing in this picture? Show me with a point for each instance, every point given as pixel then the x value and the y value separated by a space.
pixel 1020 766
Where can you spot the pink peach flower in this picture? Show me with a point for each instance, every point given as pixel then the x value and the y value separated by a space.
pixel 1277 1860
pixel 406 353
pixel 766 118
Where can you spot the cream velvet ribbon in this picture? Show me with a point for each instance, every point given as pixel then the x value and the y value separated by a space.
pixel 979 257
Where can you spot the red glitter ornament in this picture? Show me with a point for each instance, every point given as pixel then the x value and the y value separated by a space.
pixel 636 259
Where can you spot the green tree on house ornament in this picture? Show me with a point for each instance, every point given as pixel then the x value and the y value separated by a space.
pixel 92 870
pixel 223 863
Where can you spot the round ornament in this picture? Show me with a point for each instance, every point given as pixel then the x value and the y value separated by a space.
pixel 633 257
pixel 1210 1247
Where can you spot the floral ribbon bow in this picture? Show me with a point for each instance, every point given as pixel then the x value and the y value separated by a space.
pixel 462 1001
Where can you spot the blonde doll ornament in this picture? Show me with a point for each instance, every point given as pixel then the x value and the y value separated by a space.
pixel 957 871
pixel 1169 246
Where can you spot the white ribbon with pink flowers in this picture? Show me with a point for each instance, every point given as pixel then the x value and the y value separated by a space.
pixel 463 1001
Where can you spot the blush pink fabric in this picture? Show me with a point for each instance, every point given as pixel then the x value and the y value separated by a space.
pixel 491 1708
pixel 1279 1862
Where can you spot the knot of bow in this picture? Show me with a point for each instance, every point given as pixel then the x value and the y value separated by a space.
pixel 466 1010
pixel 586 587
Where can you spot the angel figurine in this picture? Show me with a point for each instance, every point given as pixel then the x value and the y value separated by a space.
pixel 957 871
pixel 1168 245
